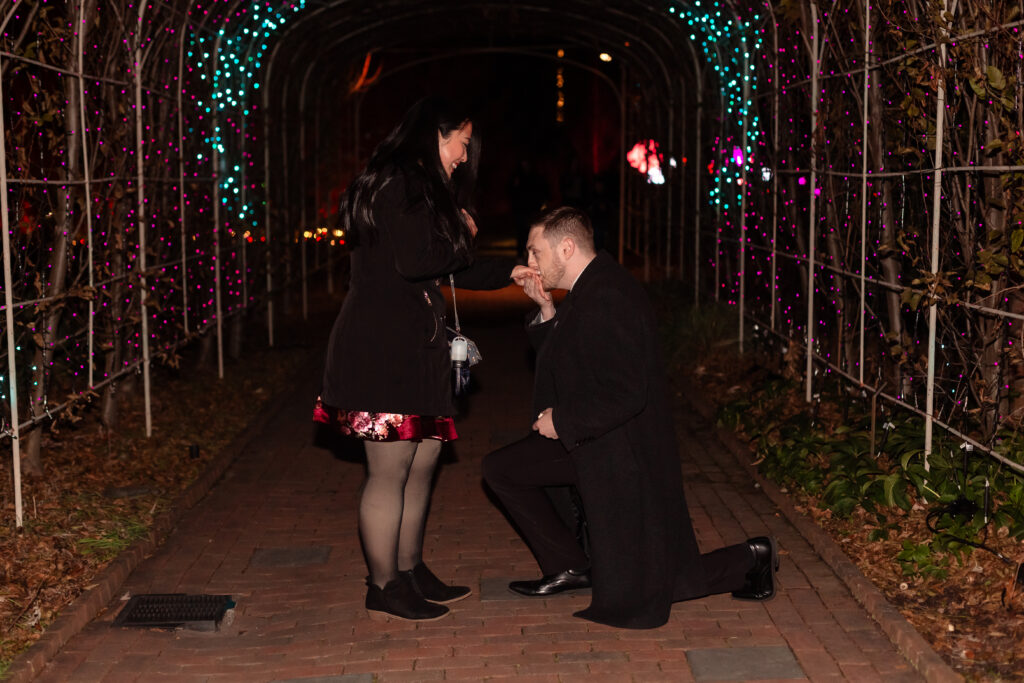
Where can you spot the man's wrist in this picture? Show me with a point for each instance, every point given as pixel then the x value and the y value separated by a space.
pixel 542 317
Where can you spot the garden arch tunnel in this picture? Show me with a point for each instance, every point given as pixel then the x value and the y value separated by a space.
pixel 665 75
pixel 290 49
pixel 203 143
pixel 658 68
pixel 847 175
pixel 170 166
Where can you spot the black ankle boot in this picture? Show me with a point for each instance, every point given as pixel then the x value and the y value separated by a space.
pixel 398 599
pixel 431 588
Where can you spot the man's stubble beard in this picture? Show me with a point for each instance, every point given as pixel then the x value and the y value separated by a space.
pixel 557 273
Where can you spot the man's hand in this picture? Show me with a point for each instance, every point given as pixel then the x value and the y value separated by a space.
pixel 530 281
pixel 534 289
pixel 545 424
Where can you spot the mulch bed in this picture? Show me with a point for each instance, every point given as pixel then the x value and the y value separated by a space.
pixel 973 618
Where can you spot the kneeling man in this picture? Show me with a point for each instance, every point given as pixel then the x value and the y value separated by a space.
pixel 604 425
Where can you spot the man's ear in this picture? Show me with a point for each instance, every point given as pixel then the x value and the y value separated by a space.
pixel 567 247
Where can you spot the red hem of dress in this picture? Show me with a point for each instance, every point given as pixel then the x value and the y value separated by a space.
pixel 373 426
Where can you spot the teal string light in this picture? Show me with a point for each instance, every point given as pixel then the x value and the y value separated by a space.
pixel 240 45
pixel 727 42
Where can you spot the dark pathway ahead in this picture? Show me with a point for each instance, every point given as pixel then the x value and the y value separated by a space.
pixel 278 533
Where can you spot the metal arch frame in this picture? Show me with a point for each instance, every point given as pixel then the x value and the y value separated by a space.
pixel 267 191
pixel 653 34
pixel 365 27
pixel 211 65
pixel 268 195
pixel 743 37
pixel 368 27
pixel 669 83
pixel 243 118
pixel 314 15
pixel 701 74
pixel 675 91
pixel 659 68
pixel 284 109
pixel 583 18
pixel 744 187
pixel 216 176
pixel 9 321
pixel 304 200
pixel 181 166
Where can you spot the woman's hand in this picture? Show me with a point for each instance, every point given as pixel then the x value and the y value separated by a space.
pixel 470 223
pixel 521 273
pixel 534 288
pixel 530 281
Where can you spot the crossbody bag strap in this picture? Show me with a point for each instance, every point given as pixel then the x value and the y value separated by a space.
pixel 455 309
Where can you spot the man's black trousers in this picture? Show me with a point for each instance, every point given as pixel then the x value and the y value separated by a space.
pixel 519 475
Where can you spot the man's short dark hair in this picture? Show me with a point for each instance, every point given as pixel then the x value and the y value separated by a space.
pixel 568 221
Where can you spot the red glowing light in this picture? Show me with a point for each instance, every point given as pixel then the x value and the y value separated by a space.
pixel 644 156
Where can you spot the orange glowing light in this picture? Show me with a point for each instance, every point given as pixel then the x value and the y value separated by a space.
pixel 364 80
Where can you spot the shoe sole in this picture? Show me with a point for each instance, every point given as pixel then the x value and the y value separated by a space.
pixel 377 615
pixel 448 602
pixel 775 564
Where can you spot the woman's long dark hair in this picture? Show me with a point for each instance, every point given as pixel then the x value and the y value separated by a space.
pixel 412 150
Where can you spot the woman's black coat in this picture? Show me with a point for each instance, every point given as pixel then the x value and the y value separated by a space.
pixel 599 367
pixel 388 350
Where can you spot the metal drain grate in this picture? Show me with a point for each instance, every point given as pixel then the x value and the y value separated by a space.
pixel 168 610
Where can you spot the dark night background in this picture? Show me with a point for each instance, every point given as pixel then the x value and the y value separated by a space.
pixel 515 97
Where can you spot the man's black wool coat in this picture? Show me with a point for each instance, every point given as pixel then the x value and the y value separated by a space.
pixel 600 368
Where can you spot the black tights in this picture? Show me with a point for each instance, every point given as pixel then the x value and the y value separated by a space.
pixel 393 508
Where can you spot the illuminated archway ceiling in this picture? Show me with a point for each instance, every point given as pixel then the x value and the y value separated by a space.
pixel 274 43
pixel 641 34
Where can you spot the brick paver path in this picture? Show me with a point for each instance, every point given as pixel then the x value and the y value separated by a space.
pixel 278 533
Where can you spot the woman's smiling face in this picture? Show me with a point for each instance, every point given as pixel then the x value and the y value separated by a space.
pixel 453 148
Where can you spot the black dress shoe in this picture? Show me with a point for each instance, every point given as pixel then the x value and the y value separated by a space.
pixel 550 584
pixel 760 580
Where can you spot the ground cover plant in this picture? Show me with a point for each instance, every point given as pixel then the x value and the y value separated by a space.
pixel 942 541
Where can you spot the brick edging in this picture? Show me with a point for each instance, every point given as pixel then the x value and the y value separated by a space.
pixel 83 609
pixel 903 635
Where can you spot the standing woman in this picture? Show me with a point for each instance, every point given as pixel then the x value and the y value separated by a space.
pixel 387 378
